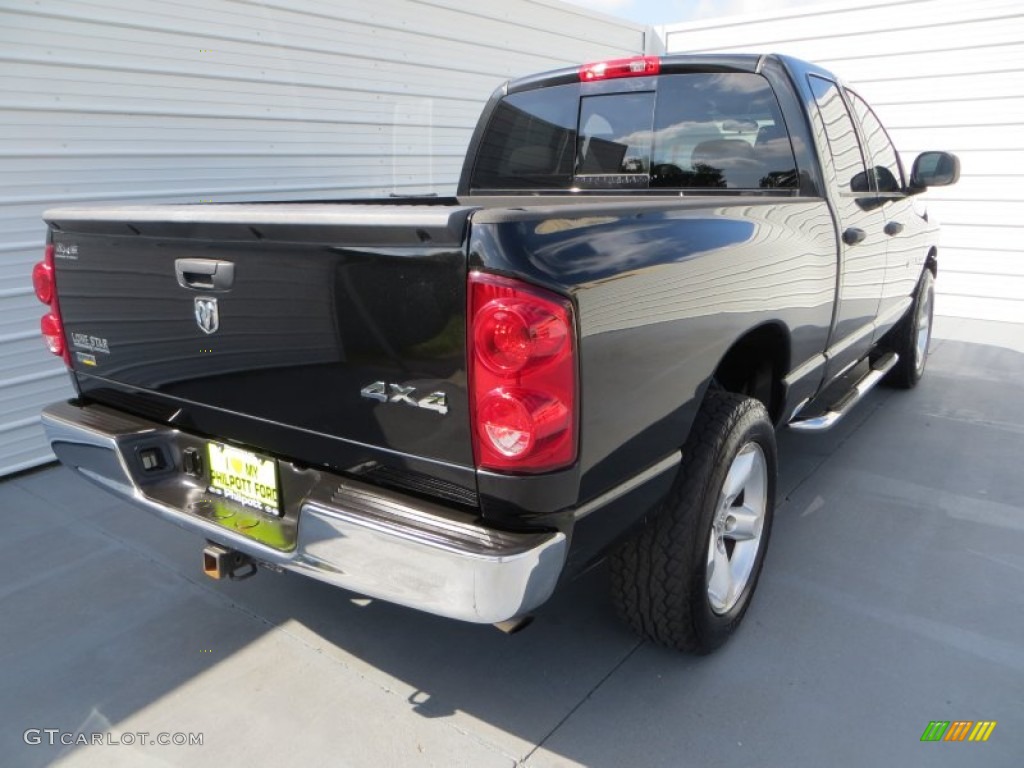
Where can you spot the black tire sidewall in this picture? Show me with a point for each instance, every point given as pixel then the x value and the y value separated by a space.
pixel 752 426
pixel 926 287
pixel 659 573
pixel 903 338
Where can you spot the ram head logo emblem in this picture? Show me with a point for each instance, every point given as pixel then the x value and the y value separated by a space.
pixel 207 316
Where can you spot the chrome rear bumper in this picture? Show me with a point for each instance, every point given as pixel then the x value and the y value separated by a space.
pixel 350 534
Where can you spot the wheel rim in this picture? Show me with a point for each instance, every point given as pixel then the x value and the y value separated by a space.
pixel 737 527
pixel 924 330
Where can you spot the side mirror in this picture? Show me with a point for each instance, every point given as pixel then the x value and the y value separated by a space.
pixel 934 169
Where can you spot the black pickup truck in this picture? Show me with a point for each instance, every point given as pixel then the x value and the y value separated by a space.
pixel 457 403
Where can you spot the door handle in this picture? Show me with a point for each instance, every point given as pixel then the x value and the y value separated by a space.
pixel 854 235
pixel 893 228
pixel 204 274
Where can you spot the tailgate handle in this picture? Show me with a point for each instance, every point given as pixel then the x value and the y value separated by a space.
pixel 205 274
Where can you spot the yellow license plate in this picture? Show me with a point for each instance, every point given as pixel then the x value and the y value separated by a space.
pixel 244 477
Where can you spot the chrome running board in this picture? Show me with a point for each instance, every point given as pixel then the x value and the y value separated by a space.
pixel 846 403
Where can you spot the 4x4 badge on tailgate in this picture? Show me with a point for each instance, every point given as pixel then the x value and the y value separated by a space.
pixel 396 393
pixel 207 316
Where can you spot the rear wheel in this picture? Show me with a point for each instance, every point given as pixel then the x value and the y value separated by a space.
pixel 912 335
pixel 686 578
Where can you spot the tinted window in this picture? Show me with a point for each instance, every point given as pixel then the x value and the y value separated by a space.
pixel 851 175
pixel 720 130
pixel 708 130
pixel 530 141
pixel 886 164
pixel 614 140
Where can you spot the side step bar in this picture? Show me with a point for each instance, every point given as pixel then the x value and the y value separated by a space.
pixel 845 404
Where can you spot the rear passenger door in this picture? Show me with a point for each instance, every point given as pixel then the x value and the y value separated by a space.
pixel 861 224
pixel 905 230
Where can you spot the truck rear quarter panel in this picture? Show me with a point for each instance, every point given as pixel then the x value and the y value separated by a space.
pixel 662 291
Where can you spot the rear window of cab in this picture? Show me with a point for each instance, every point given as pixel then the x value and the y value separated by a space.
pixel 696 130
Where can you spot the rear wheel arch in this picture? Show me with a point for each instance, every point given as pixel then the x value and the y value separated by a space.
pixel 755 365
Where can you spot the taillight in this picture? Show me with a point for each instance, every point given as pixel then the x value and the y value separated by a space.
pixel 50 324
pixel 42 281
pixel 635 66
pixel 522 360
pixel 53 334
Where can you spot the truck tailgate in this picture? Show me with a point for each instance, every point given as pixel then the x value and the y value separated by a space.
pixel 339 321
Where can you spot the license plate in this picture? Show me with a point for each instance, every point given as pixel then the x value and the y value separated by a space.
pixel 244 477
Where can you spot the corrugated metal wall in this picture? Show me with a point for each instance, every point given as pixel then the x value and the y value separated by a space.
pixel 195 100
pixel 941 74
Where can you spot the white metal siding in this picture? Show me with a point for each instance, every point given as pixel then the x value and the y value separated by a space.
pixel 193 100
pixel 941 74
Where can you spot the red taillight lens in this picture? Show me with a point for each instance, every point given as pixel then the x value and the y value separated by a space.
pixel 42 281
pixel 509 333
pixel 51 325
pixel 635 66
pixel 53 333
pixel 507 424
pixel 522 375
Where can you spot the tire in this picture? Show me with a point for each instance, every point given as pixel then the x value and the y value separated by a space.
pixel 912 335
pixel 664 582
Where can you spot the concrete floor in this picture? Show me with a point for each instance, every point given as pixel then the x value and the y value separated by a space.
pixel 892 596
